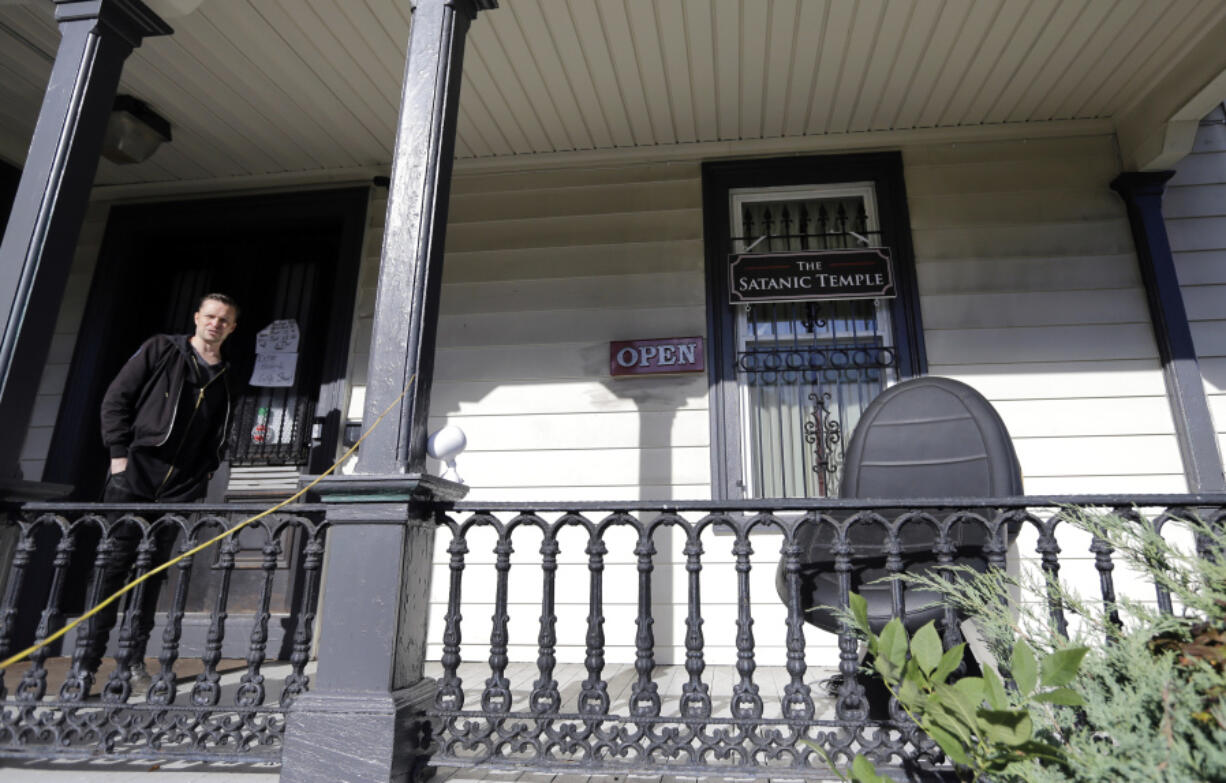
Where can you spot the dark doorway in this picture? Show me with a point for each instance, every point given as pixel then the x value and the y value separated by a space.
pixel 281 257
pixel 290 257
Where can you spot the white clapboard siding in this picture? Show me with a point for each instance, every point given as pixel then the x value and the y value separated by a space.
pixel 1030 292
pixel 1195 210
pixel 67 325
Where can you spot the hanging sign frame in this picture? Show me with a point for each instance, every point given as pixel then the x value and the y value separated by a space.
pixel 858 273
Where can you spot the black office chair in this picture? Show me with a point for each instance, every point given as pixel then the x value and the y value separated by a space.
pixel 923 438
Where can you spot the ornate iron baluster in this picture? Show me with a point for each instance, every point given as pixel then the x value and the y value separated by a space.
pixel 1164 595
pixel 894 566
pixel 997 546
pixel 594 694
pixel 898 603
pixel 1102 552
pixel 450 694
pixel 1049 550
pixel 797 697
pixel 12 595
pixel 207 689
pixel 823 227
pixel 162 689
pixel 545 690
pixel 88 653
pixel 497 695
pixel 297 681
pixel 118 686
pixel 746 702
pixel 945 550
pixel 840 223
pixel 34 684
pixel 785 227
pixel 803 228
pixel 851 703
pixel 695 696
pixel 251 686
pixel 645 696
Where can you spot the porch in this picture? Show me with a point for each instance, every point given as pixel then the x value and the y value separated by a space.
pixel 602 175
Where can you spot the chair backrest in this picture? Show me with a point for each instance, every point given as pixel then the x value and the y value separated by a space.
pixel 923 438
pixel 930 438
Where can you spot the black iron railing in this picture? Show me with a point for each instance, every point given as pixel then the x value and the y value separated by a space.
pixel 220 689
pixel 753 729
pixel 204 694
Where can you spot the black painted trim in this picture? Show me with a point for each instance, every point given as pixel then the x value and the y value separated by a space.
pixel 100 350
pixel 1202 461
pixel 10 176
pixel 885 171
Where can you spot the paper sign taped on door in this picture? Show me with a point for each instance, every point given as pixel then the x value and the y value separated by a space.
pixel 274 369
pixel 278 337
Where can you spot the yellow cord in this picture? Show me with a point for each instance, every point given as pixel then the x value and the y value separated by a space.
pixel 128 587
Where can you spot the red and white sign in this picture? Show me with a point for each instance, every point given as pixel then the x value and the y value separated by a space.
pixel 651 357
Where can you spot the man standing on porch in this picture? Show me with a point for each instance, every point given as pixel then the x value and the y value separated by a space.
pixel 165 416
pixel 164 420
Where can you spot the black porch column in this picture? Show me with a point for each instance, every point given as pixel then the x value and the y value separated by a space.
pixel 1185 389
pixel 360 721
pixel 96 37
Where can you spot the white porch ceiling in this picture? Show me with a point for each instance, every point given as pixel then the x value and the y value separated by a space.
pixel 256 87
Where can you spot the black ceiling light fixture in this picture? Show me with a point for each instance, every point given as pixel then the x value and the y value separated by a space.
pixel 134 131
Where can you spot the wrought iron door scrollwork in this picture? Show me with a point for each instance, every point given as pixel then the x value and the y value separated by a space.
pixel 823 432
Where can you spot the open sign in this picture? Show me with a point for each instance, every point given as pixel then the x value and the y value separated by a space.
pixel 649 357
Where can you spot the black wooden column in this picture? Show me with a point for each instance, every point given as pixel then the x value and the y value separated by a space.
pixel 96 37
pixel 362 719
pixel 1185 389
pixel 410 274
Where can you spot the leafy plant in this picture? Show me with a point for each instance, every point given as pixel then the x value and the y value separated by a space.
pixel 982 726
pixel 1146 702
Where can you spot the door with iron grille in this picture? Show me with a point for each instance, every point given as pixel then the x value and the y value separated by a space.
pixel 792 377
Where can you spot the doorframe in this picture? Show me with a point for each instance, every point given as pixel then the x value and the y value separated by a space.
pixel 885 171
pixel 97 354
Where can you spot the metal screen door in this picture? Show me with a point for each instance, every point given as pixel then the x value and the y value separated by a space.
pixel 805 370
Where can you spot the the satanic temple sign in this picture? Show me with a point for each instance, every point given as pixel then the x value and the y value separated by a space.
pixel 864 273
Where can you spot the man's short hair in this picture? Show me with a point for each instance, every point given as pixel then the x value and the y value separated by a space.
pixel 225 299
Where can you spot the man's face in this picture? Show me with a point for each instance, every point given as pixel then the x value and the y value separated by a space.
pixel 214 321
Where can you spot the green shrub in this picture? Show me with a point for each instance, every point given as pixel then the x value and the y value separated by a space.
pixel 1134 694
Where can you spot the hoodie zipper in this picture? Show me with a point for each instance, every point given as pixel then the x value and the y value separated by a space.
pixel 195 407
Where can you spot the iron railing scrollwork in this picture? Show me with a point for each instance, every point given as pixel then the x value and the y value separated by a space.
pixel 191 707
pixel 753 684
pixel 755 723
